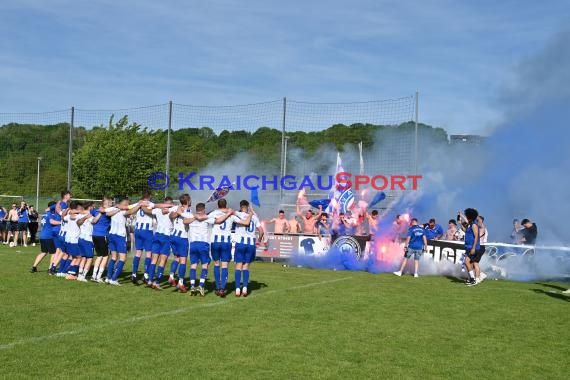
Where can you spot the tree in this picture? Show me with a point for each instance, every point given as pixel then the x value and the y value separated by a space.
pixel 117 160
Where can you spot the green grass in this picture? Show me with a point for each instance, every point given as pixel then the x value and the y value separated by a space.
pixel 297 323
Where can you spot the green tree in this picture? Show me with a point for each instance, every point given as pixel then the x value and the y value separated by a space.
pixel 117 160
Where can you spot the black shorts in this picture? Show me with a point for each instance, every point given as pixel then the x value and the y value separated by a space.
pixel 2 225
pixel 47 246
pixel 101 246
pixel 12 226
pixel 23 226
pixel 478 255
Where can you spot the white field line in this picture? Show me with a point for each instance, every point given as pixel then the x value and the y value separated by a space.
pixel 227 301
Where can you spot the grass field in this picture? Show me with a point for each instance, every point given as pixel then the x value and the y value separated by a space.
pixel 297 323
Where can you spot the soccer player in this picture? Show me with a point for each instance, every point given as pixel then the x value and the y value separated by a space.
pixel 143 239
pixel 433 231
pixel 118 237
pixel 199 232
pixel 245 246
pixel 62 259
pixel 85 241
pixel 416 244
pixel 101 224
pixel 221 245
pixel 472 248
pixel 72 238
pixel 161 241
pixel 23 221
pixel 46 242
pixel 281 223
pixel 309 220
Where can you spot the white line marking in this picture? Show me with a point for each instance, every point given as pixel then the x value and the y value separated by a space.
pixel 161 314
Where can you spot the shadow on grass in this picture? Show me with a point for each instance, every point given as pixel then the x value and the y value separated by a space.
pixel 552 294
pixel 455 279
pixel 557 287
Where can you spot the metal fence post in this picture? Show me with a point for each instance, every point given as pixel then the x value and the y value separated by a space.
pixel 283 154
pixel 168 143
pixel 70 149
pixel 416 133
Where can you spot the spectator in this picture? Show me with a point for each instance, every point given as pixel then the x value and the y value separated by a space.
pixel 324 229
pixel 373 222
pixel 294 226
pixel 529 232
pixel 453 233
pixel 12 224
pixel 3 222
pixel 483 233
pixel 309 220
pixel 433 231
pixel 281 223
pixel 33 225
pixel 516 234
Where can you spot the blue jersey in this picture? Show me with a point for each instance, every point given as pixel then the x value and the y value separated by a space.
pixel 23 216
pixel 470 238
pixel 416 234
pixel 46 232
pixel 2 213
pixel 101 228
pixel 432 233
pixel 55 227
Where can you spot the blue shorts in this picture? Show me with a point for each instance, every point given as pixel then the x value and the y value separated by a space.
pixel 417 253
pixel 73 249
pixel 244 253
pixel 117 243
pixel 161 244
pixel 179 246
pixel 221 251
pixel 86 248
pixel 199 252
pixel 60 243
pixel 143 240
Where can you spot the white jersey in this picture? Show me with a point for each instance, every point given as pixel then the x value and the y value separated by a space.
pixel 86 228
pixel 246 234
pixel 200 231
pixel 144 221
pixel 163 222
pixel 72 235
pixel 222 232
pixel 180 229
pixel 118 222
pixel 483 239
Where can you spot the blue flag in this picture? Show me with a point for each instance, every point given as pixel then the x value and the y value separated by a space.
pixel 341 200
pixel 379 197
pixel 255 197
pixel 320 202
pixel 219 193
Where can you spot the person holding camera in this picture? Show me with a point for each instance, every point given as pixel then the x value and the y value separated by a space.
pixel 416 245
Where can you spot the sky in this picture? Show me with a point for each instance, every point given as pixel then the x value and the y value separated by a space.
pixel 459 55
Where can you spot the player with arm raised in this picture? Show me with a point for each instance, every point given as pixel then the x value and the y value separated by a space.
pixel 46 241
pixel 72 238
pixel 161 241
pixel 85 223
pixel 143 238
pixel 101 224
pixel 118 237
pixel 64 260
pixel 245 246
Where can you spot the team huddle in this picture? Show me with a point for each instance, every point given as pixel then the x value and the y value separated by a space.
pixel 73 233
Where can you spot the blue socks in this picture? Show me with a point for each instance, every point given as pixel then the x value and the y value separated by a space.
pixel 110 268
pixel 151 272
pixel 238 278
pixel 217 276
pixel 118 270
pixel 224 278
pixel 181 271
pixel 203 275
pixel 159 273
pixel 173 267
pixel 147 262
pixel 136 261
pixel 192 275
pixel 245 277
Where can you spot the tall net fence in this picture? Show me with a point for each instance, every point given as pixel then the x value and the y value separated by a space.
pixel 280 137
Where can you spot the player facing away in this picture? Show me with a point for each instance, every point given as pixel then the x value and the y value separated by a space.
pixel 118 237
pixel 143 239
pixel 85 241
pixel 221 245
pixel 161 242
pixel 199 232
pixel 245 246
pixel 62 259
pixel 416 244
pixel 46 242
pixel 179 242
pixel 473 248
pixel 101 224
pixel 72 238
